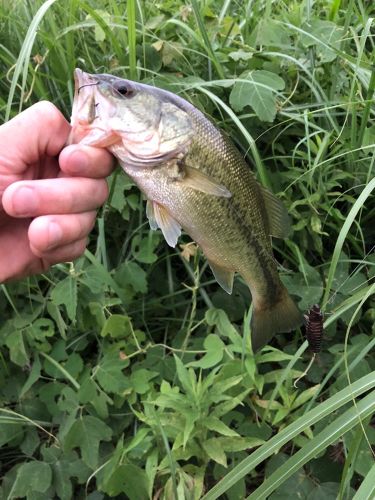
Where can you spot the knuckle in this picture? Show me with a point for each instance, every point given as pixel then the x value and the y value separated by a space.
pixel 47 112
pixel 78 248
pixel 104 191
pixel 87 223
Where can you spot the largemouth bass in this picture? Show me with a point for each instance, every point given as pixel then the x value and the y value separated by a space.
pixel 194 179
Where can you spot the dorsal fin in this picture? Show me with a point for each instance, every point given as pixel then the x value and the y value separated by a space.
pixel 278 218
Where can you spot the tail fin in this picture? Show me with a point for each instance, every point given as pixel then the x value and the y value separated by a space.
pixel 283 316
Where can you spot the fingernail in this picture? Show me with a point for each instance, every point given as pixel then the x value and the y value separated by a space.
pixel 54 234
pixel 78 160
pixel 25 202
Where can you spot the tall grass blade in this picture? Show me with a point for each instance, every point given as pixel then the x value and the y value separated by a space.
pixel 331 433
pixel 132 39
pixel 275 443
pixel 367 489
pixel 207 43
pixel 24 57
pixel 342 237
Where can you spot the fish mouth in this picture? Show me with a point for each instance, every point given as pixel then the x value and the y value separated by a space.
pixel 82 79
pixel 80 101
pixel 84 113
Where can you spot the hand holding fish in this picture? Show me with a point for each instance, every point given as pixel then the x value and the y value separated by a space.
pixel 48 194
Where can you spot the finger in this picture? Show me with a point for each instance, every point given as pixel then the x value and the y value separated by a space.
pixel 66 253
pixel 65 195
pixel 85 161
pixel 51 231
pixel 39 130
pixel 14 249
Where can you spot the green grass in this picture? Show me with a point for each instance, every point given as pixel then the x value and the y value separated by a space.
pixel 129 373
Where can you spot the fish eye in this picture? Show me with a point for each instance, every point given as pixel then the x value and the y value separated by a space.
pixel 123 89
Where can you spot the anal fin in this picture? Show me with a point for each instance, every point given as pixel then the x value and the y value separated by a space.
pixel 150 212
pixel 158 216
pixel 223 276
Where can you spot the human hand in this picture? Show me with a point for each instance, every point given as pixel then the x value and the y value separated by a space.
pixel 47 202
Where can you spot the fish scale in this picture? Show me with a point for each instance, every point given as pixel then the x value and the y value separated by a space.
pixel 194 178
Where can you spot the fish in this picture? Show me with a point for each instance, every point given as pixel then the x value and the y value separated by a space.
pixel 195 180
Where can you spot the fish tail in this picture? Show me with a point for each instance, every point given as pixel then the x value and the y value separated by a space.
pixel 269 319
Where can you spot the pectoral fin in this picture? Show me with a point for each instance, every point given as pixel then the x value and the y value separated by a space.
pixel 201 182
pixel 159 217
pixel 223 277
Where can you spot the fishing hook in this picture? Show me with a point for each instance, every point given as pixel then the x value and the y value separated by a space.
pixel 87 85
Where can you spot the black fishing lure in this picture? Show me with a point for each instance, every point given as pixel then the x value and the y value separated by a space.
pixel 314 328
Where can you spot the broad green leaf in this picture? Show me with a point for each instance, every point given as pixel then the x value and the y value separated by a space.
pixel 16 345
pixel 143 249
pixel 328 491
pixel 240 55
pixel 310 292
pixel 323 34
pixel 32 477
pixel 183 376
pixel 131 274
pixel 250 366
pixel 86 434
pixel 225 328
pixel 257 89
pixel 215 352
pixel 30 442
pixel 92 277
pixel 117 326
pixel 177 402
pixel 69 365
pixel 215 451
pixel 120 186
pixel 273 356
pixel 130 480
pixel 10 431
pixel 234 444
pixel 137 439
pixel 43 327
pixel 68 400
pixel 271 33
pixel 151 469
pixel 100 34
pixel 222 386
pixel 89 392
pixel 190 419
pixel 49 394
pixel 65 293
pixel 140 380
pixel 65 466
pixel 33 376
pixel 109 373
pixel 61 480
pixel 305 396
pixel 214 424
pixel 225 407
